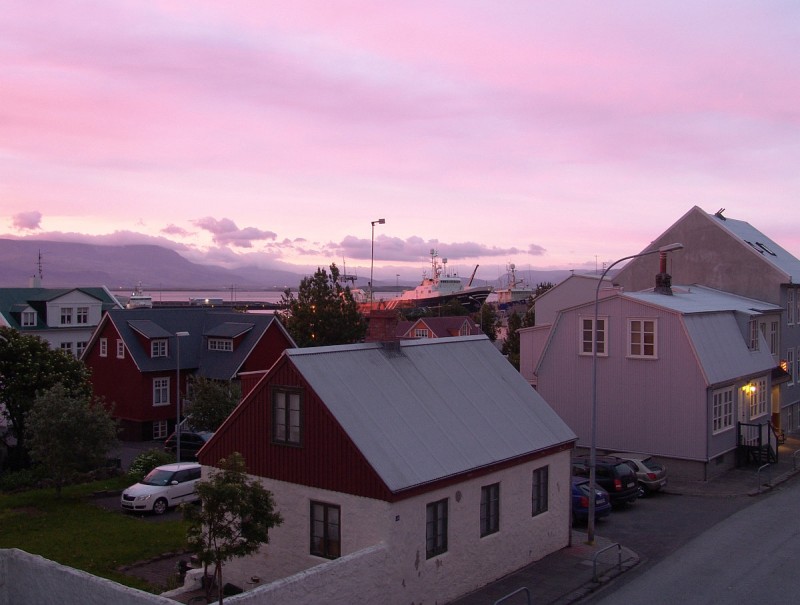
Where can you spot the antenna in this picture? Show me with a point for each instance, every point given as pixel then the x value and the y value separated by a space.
pixel 39 264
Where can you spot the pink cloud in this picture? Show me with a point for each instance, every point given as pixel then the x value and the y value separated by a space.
pixel 28 221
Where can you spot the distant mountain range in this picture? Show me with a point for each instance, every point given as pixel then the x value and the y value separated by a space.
pixel 66 264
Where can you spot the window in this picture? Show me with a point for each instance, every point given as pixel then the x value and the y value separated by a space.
pixel 490 509
pixel 790 306
pixel 160 391
pixel 325 530
pixel 421 333
pixel 120 349
pixel 539 490
pixel 436 528
pixel 82 315
pixel 220 344
pixel 66 315
pixel 159 429
pixel 790 365
pixel 464 331
pixel 586 335
pixel 773 337
pixel 797 366
pixel 758 397
pixel 753 330
pixel 286 416
pixel 66 347
pixel 103 347
pixel 642 338
pixel 80 347
pixel 722 410
pixel 28 319
pixel 158 347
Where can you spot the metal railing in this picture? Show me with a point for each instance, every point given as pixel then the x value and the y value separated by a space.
pixel 602 550
pixel 794 459
pixel 758 475
pixel 516 592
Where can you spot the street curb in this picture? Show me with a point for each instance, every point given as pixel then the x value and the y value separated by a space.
pixel 591 586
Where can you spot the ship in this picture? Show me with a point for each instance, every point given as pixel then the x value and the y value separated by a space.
pixel 138 299
pixel 516 292
pixel 439 288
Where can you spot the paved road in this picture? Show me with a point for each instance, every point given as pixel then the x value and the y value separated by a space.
pixel 749 556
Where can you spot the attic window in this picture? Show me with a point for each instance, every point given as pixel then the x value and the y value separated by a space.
pixel 765 249
pixel 220 344
pixel 158 347
pixel 28 319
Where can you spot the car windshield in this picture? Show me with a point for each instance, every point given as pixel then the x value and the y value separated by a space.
pixel 157 477
pixel 623 469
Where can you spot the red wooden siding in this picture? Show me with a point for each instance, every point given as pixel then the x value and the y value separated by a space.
pixel 327 458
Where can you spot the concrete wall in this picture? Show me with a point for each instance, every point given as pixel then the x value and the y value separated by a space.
pixel 26 578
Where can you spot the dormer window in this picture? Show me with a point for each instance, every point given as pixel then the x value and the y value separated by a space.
pixel 158 347
pixel 28 319
pixel 220 344
pixel 66 316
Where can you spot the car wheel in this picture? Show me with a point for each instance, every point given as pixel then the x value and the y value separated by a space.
pixel 160 506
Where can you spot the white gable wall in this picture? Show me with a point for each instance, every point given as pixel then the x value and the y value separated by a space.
pixel 400 573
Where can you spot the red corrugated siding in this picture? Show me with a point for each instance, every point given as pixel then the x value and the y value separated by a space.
pixel 268 350
pixel 328 459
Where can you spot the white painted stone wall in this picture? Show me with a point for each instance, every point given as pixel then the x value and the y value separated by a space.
pixel 383 545
pixel 26 578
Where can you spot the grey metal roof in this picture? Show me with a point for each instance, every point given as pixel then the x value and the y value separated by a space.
pixel 199 322
pixel 772 252
pixel 422 410
pixel 701 299
pixel 722 351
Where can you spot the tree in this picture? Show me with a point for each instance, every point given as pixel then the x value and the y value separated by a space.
pixel 233 519
pixel 487 319
pixel 324 313
pixel 68 434
pixel 511 343
pixel 29 366
pixel 212 401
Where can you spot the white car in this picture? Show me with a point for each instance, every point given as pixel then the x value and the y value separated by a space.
pixel 163 487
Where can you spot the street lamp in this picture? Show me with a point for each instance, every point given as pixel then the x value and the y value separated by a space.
pixel 178 336
pixel 593 444
pixel 380 221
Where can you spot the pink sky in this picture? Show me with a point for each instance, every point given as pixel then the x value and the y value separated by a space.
pixel 548 134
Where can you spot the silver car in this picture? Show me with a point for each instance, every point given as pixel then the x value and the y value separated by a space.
pixel 163 487
pixel 652 476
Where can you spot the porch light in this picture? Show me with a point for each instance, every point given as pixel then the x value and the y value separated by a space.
pixel 749 388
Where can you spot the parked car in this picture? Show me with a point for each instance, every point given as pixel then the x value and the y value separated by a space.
pixel 191 442
pixel 163 487
pixel 580 500
pixel 612 474
pixel 651 475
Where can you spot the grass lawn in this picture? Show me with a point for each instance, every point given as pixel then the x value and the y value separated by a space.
pixel 72 531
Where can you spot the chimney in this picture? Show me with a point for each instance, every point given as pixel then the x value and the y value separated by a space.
pixel 382 325
pixel 663 279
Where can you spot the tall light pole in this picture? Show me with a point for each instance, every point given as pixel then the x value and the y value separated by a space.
pixel 178 336
pixel 380 221
pixel 593 444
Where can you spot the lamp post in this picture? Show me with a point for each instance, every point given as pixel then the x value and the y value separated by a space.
pixel 178 336
pixel 380 221
pixel 593 444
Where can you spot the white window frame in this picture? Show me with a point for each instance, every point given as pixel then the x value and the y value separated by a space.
pixel 790 364
pixel 159 429
pixel 66 316
pixel 752 329
pixel 66 347
pixel 161 391
pixel 722 410
pixel 421 333
pixel 773 337
pixel 82 315
pixel 790 307
pixel 758 398
pixel 797 366
pixel 120 348
pixel 159 347
pixel 28 319
pixel 647 350
pixel 585 331
pixel 220 344
pixel 80 347
pixel 104 347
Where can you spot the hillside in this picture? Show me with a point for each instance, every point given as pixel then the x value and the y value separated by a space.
pixel 70 264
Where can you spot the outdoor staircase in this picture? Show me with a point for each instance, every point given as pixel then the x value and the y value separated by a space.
pixel 757 444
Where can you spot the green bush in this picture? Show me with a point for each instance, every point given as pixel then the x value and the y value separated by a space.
pixel 147 461
pixel 23 479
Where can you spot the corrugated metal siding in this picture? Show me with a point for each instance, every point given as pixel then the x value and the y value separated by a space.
pixel 327 459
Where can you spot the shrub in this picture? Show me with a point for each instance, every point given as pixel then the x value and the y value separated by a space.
pixel 147 461
pixel 23 479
